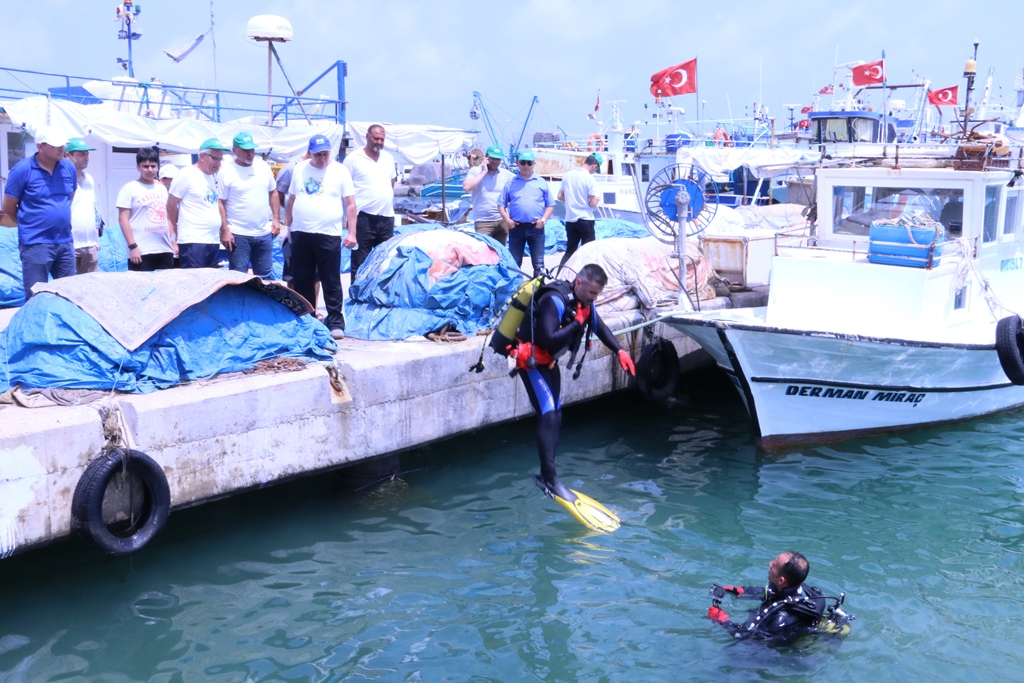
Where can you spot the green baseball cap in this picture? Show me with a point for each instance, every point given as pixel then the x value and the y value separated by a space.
pixel 598 158
pixel 494 152
pixel 78 145
pixel 243 141
pixel 213 143
pixel 527 155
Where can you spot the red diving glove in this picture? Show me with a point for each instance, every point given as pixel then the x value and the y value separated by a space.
pixel 735 590
pixel 582 313
pixel 718 614
pixel 627 364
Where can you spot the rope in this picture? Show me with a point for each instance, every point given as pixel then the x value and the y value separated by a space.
pixel 965 267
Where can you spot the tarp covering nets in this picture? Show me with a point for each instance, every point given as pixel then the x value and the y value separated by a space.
pixel 555 237
pixel 417 282
pixel 641 273
pixel 150 331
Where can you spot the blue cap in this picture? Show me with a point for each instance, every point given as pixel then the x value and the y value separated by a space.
pixel 319 143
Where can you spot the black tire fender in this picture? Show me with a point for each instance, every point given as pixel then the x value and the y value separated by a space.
pixel 87 517
pixel 657 369
pixel 1009 339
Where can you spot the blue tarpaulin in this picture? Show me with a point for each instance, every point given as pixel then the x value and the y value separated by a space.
pixel 12 293
pixel 52 343
pixel 555 239
pixel 417 282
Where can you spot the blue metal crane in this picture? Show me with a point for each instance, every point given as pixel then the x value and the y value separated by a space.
pixel 479 110
pixel 513 152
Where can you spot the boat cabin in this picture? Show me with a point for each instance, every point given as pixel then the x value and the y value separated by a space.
pixel 851 126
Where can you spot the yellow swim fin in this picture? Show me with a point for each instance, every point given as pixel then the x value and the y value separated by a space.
pixel 591 513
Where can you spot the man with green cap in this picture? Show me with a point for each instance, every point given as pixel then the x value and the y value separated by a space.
pixel 85 212
pixel 525 206
pixel 579 192
pixel 485 183
pixel 250 207
pixel 193 209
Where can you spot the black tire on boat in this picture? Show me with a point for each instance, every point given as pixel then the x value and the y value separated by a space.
pixel 657 369
pixel 143 484
pixel 1009 338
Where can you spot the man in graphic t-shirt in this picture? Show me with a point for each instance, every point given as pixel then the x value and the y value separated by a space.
pixel 193 209
pixel 85 213
pixel 142 215
pixel 250 206
pixel 321 192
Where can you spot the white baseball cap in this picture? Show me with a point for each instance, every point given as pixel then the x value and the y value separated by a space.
pixel 51 135
pixel 167 171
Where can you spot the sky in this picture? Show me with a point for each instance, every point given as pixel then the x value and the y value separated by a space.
pixel 419 62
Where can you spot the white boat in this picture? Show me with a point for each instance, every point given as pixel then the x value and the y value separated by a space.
pixel 867 331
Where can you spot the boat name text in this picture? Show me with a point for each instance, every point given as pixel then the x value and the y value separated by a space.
pixel 856 394
pixel 1015 263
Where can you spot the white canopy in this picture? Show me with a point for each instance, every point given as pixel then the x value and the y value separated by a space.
pixel 762 162
pixel 123 129
pixel 416 144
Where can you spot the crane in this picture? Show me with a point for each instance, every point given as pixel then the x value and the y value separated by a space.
pixel 479 110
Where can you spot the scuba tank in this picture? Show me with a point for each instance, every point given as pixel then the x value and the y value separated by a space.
pixel 505 333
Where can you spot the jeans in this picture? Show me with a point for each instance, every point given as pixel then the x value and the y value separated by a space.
pixel 38 261
pixel 314 254
pixel 199 255
pixel 519 237
pixel 371 230
pixel 577 233
pixel 256 250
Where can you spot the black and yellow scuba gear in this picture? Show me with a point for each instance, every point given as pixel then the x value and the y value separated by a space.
pixel 810 605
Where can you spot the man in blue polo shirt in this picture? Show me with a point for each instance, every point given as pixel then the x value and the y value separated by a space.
pixel 38 197
pixel 525 206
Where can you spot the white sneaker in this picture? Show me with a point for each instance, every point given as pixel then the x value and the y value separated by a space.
pixel 338 333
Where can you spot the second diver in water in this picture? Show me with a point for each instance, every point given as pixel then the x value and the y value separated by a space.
pixel 562 318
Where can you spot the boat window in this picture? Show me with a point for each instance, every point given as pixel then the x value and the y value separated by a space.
pixel 863 130
pixel 835 130
pixel 17 141
pixel 991 212
pixel 609 198
pixel 627 169
pixel 855 208
pixel 645 173
pixel 960 299
pixel 1013 206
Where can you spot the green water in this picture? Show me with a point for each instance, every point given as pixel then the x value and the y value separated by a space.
pixel 462 571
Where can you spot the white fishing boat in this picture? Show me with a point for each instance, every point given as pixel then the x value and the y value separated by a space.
pixel 900 310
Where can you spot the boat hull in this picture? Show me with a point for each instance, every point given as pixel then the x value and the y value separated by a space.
pixel 804 386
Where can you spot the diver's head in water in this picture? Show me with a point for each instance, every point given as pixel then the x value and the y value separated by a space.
pixel 788 570
pixel 589 283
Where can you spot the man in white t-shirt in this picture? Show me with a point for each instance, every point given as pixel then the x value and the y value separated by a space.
pixel 485 183
pixel 249 204
pixel 579 192
pixel 142 215
pixel 193 209
pixel 373 176
pixel 320 193
pixel 85 212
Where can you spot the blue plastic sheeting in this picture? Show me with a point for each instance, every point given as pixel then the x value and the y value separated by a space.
pixel 555 239
pixel 396 300
pixel 113 251
pixel 12 292
pixel 52 343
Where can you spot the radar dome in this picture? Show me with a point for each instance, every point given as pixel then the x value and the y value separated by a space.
pixel 269 27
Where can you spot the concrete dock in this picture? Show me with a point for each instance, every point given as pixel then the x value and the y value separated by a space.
pixel 231 433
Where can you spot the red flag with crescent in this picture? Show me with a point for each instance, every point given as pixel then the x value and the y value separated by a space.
pixel 680 79
pixel 807 110
pixel 946 97
pixel 827 90
pixel 866 74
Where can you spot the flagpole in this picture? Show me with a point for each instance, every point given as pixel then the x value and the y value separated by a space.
pixel 696 91
pixel 213 39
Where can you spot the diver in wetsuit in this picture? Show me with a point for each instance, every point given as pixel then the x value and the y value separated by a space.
pixel 562 315
pixel 788 608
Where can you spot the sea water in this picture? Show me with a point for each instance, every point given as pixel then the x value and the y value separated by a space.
pixel 460 570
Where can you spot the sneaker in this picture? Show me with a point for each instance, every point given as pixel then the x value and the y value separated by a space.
pixel 338 333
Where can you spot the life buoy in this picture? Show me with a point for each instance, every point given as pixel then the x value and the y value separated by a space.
pixel 1009 340
pixel 595 143
pixel 722 136
pixel 146 487
pixel 657 369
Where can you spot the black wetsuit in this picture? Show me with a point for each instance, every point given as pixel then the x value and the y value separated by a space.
pixel 553 328
pixel 782 615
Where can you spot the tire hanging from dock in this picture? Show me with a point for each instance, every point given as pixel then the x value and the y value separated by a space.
pixel 657 369
pixel 1009 341
pixel 125 534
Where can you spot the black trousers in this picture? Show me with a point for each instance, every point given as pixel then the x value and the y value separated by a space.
pixel 577 233
pixel 313 255
pixel 371 230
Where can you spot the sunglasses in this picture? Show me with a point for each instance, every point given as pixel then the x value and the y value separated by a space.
pixel 526 163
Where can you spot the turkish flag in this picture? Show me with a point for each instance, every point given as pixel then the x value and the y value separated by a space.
pixel 827 90
pixel 807 110
pixel 946 97
pixel 680 79
pixel 866 74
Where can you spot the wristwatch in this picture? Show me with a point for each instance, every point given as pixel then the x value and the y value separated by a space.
pixel 132 246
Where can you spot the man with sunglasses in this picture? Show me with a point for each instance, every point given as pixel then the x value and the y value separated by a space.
pixel 525 206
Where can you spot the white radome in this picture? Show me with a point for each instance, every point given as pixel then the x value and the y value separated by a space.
pixel 269 27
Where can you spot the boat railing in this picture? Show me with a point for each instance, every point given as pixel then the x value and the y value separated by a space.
pixel 158 100
pixel 797 241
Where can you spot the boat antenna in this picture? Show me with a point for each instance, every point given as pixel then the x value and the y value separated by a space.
pixel 970 71
pixel 213 39
pixel 127 15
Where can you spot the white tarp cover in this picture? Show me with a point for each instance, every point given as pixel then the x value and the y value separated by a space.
pixel 416 144
pixel 104 123
pixel 764 163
